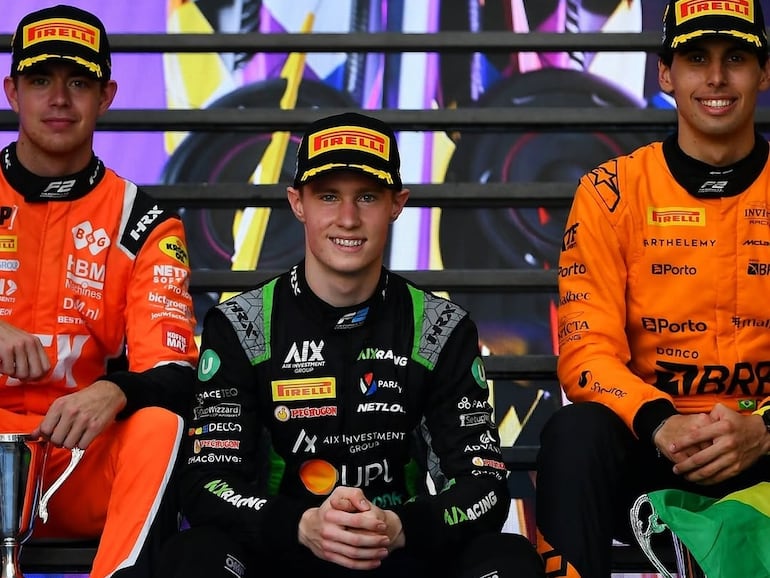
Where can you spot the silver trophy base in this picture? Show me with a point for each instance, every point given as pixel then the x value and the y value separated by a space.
pixel 10 551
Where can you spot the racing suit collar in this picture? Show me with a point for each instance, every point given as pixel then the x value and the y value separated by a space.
pixel 705 181
pixel 35 188
pixel 337 318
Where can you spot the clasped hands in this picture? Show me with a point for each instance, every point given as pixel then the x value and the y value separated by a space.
pixel 708 448
pixel 349 530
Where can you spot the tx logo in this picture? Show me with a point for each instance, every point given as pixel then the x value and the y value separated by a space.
pixel 85 236
pixel 309 442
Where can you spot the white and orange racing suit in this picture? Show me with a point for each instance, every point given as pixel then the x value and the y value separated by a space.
pixel 99 272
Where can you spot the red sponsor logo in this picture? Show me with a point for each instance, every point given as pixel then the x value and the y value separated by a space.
pixel 176 338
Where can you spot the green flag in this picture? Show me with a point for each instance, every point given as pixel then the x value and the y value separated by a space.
pixel 728 537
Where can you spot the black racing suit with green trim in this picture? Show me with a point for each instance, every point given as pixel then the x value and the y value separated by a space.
pixel 295 397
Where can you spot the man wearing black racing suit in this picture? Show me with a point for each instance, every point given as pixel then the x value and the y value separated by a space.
pixel 329 396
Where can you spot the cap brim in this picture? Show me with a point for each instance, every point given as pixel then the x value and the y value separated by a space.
pixel 35 63
pixel 682 41
pixel 382 177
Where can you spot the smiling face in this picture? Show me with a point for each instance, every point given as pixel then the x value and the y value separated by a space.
pixel 58 105
pixel 347 216
pixel 715 83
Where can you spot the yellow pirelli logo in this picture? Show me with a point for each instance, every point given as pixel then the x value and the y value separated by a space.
pixel 347 138
pixel 9 243
pixel 689 9
pixel 676 217
pixel 304 389
pixel 61 29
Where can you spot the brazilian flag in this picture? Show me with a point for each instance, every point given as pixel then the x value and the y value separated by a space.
pixel 729 537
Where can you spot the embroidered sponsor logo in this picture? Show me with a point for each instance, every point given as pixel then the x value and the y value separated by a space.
pixel 9 243
pixel 176 338
pixel 347 138
pixel 456 515
pixel 283 413
pixel 175 248
pixel 304 389
pixel 85 236
pixel 689 9
pixel 676 217
pixel 224 491
pixel 62 30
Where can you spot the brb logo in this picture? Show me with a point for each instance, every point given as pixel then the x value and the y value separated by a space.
pixel 758 268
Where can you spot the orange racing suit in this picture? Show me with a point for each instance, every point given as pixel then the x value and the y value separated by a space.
pixel 663 293
pixel 99 272
pixel 664 273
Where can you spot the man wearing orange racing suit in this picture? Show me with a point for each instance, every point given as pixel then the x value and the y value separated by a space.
pixel 96 321
pixel 664 332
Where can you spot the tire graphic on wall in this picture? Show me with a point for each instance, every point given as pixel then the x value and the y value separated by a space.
pixel 525 238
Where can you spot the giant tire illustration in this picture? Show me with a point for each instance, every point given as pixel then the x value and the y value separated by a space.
pixel 526 237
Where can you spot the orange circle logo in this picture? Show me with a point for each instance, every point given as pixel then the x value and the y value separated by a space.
pixel 319 476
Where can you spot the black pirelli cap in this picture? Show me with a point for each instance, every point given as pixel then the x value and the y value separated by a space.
pixel 61 33
pixel 350 141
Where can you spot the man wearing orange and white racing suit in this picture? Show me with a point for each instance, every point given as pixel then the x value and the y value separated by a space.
pixel 663 324
pixel 97 346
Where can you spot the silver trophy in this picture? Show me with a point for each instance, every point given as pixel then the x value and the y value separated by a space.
pixel 22 462
pixel 686 565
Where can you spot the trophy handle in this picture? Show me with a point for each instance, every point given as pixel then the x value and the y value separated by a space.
pixel 77 453
pixel 642 534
